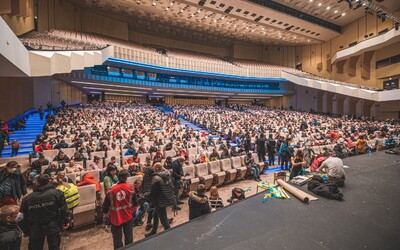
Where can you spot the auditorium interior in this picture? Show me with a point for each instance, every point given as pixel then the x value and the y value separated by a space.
pixel 224 85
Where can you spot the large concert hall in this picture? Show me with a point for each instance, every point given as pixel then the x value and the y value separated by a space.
pixel 199 124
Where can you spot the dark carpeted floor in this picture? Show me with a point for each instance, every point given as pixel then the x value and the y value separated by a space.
pixel 369 217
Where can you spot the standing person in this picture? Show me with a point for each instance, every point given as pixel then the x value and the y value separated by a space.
pixel 260 143
pixel 162 196
pixel 198 202
pixel 3 140
pixel 41 112
pixel 271 147
pixel 12 184
pixel 298 164
pixel 308 154
pixel 45 215
pixel 177 176
pixel 14 148
pixel 10 234
pixel 146 189
pixel 119 206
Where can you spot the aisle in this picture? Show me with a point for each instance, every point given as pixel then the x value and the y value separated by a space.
pixel 34 127
pixel 183 121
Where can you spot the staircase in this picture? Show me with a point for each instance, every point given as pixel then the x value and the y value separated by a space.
pixel 34 127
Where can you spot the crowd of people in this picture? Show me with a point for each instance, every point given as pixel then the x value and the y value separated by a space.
pixel 111 138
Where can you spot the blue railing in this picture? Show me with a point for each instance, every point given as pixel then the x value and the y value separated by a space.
pixel 15 120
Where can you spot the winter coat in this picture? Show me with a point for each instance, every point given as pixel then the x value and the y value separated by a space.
pixel 18 184
pixel 198 205
pixel 88 179
pixel 45 211
pixel 162 189
pixel 10 236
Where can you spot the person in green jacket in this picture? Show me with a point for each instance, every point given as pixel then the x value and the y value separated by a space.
pixel 111 177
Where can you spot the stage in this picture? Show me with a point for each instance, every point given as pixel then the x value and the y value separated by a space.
pixel 368 218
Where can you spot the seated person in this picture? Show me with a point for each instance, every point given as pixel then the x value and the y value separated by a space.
pixel 131 150
pixel 52 172
pixel 143 204
pixel 340 149
pixel 214 156
pixel 298 164
pixel 74 168
pixel 43 146
pixel 237 195
pixel 62 144
pixel 215 200
pixel 198 203
pixel 234 152
pixel 333 166
pixel 390 143
pixel 62 159
pixel 88 179
pixel 361 145
pixel 77 157
pixel 133 169
pixel 36 167
pixel 95 165
pixel 251 165
pixel 70 191
pixel 158 156
pixel 225 154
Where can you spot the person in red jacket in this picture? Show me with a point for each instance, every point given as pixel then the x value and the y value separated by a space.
pixel 44 146
pixel 88 179
pixel 119 204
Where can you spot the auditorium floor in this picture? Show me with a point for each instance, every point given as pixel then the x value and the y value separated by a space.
pixel 99 238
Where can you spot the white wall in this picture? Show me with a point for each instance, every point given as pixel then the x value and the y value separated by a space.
pixel 12 49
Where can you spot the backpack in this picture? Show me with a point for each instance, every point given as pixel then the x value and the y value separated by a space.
pixel 271 144
pixel 317 163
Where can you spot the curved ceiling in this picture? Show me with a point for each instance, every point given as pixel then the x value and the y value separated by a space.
pixel 214 21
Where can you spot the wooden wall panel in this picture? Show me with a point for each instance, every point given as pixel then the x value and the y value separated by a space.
pixel 16 96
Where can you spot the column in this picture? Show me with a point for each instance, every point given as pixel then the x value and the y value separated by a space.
pixel 346 105
pixel 360 107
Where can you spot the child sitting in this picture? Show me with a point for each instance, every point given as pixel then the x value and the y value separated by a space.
pixel 215 200
pixel 237 195
pixel 143 204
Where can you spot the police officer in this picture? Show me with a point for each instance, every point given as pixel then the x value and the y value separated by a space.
pixel 119 203
pixel 45 214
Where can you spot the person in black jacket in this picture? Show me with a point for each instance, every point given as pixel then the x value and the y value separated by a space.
pixel 146 189
pixel 162 196
pixel 177 176
pixel 4 138
pixel 198 203
pixel 12 184
pixel 271 148
pixel 45 214
pixel 260 143
pixel 10 234
pixel 36 167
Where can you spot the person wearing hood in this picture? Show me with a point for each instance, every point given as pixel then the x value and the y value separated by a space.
pixel 10 234
pixel 198 203
pixel 162 196
pixel 88 179
pixel 44 215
